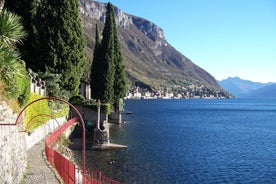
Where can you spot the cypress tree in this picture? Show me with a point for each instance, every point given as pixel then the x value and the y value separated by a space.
pixel 95 74
pixel 120 81
pixel 107 58
pixel 61 41
pixel 108 78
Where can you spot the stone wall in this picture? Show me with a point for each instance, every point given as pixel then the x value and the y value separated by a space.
pixel 41 132
pixel 13 153
pixel 14 143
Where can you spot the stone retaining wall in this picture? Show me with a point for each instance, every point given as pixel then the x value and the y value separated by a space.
pixel 41 132
pixel 14 144
pixel 13 153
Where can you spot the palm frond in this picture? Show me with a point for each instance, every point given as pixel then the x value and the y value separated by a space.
pixel 11 29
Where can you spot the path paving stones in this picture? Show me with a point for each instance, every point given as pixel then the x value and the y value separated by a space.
pixel 39 170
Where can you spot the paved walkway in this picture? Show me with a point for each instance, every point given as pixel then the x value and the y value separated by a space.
pixel 39 170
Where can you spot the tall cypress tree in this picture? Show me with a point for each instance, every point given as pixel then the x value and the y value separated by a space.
pixel 61 41
pixel 108 78
pixel 95 74
pixel 120 81
pixel 107 58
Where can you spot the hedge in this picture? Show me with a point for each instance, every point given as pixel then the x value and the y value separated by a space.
pixel 42 107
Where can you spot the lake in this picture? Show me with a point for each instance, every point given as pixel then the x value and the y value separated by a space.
pixel 192 141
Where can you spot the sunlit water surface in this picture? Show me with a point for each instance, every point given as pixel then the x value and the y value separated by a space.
pixel 192 141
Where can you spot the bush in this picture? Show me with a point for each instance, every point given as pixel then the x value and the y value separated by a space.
pixel 23 88
pixel 105 107
pixel 39 108
pixel 77 99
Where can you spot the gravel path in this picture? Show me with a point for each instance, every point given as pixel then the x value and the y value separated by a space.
pixel 39 170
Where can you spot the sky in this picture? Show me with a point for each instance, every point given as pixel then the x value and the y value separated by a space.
pixel 227 38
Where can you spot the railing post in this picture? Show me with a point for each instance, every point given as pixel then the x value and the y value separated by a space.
pixel 100 176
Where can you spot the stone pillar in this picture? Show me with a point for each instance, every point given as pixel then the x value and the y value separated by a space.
pixel 101 137
pixel 43 88
pixel 39 84
pixel 99 114
pixel 32 81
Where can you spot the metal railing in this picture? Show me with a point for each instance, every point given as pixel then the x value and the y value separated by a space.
pixel 68 171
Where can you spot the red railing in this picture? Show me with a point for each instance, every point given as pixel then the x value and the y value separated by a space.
pixel 68 170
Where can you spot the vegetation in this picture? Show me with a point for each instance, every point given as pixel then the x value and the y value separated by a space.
pixel 43 111
pixel 27 10
pixel 105 107
pixel 53 81
pixel 95 75
pixel 13 74
pixel 40 107
pixel 120 81
pixel 56 46
pixel 108 77
pixel 61 41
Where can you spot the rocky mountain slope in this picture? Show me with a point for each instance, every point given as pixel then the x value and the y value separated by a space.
pixel 150 60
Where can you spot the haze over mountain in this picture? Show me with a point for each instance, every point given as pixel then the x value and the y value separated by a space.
pixel 149 59
pixel 246 88
pixel 264 92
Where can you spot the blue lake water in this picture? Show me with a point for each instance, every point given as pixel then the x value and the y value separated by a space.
pixel 193 141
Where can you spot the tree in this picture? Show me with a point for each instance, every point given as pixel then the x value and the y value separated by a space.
pixel 95 74
pixel 120 81
pixel 107 58
pixel 61 41
pixel 108 78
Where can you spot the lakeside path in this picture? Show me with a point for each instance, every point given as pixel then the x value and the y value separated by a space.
pixel 39 171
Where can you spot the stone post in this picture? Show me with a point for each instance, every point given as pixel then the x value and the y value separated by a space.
pixel 39 84
pixel 32 80
pixel 99 114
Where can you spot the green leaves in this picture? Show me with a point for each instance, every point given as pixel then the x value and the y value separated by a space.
pixel 11 29
pixel 62 41
pixel 108 78
pixel 12 69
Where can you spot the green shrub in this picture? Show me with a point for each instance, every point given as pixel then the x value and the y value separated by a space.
pixel 55 110
pixel 23 88
pixel 38 108
pixel 105 107
pixel 77 99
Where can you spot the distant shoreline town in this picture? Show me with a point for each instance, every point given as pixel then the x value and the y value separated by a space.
pixel 191 92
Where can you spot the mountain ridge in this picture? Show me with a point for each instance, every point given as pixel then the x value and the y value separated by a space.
pixel 241 87
pixel 266 92
pixel 149 59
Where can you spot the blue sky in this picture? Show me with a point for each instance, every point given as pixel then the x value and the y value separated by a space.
pixel 227 38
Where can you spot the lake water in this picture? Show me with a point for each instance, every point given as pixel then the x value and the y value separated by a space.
pixel 193 141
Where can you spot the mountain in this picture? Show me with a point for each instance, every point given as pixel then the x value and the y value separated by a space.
pixel 264 92
pixel 240 87
pixel 150 61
